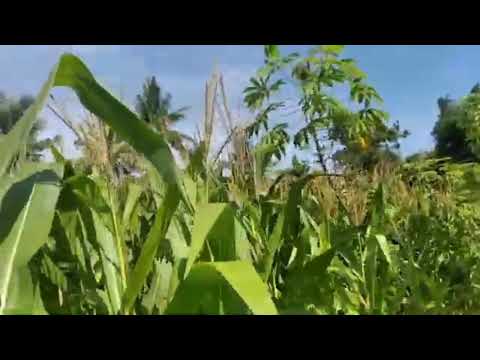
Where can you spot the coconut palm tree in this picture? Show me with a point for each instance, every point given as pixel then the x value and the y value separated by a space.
pixel 154 107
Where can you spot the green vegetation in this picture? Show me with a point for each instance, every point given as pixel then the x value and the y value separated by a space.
pixel 11 111
pixel 360 232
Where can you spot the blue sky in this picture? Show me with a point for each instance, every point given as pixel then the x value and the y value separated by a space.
pixel 409 78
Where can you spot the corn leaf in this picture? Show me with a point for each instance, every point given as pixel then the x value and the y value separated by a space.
pixel 216 224
pixel 22 231
pixel 382 242
pixel 205 279
pixel 71 72
pixel 156 298
pixel 134 193
pixel 74 74
pixel 149 250
pixel 11 143
pixel 110 264
pixel 24 296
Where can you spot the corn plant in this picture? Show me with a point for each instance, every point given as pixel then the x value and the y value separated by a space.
pixel 83 255
pixel 395 239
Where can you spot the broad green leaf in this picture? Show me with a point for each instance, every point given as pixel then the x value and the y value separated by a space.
pixel 324 236
pixel 22 230
pixel 352 71
pixel 371 271
pixel 242 245
pixel 382 242
pixel 73 73
pixel 110 264
pixel 11 143
pixel 157 296
pixel 97 194
pixel 206 217
pixel 157 233
pixel 216 224
pixel 333 49
pixel 134 193
pixel 24 296
pixel 177 276
pixel 118 235
pixel 205 280
pixel 53 273
pixel 176 239
pixel 156 182
pixel 272 52
pixel 322 233
pixel 74 233
pixel 274 242
pixel 190 189
pixel 106 300
pixel 68 221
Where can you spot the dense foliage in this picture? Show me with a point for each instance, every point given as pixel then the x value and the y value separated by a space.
pixel 455 130
pixel 11 110
pixel 377 236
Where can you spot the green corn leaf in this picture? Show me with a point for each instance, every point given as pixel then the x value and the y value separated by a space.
pixel 11 143
pixel 24 296
pixel 205 279
pixel 216 224
pixel 74 74
pixel 190 189
pixel 382 242
pixel 274 242
pixel 371 252
pixel 71 72
pixel 157 233
pixel 157 296
pixel 134 193
pixel 177 239
pixel 22 229
pixel 110 264
pixel 206 217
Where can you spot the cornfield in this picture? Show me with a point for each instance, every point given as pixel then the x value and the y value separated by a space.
pixel 191 240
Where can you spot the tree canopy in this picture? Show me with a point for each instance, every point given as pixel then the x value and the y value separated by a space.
pixel 154 106
pixel 451 129
pixel 11 110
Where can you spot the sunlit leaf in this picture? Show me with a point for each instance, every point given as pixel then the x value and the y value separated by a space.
pixel 205 279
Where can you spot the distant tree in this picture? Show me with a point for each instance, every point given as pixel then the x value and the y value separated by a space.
pixel 450 130
pixel 154 107
pixel 475 89
pixel 381 146
pixel 11 111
